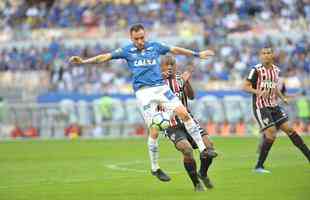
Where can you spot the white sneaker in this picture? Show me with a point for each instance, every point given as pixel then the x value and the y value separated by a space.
pixel 262 171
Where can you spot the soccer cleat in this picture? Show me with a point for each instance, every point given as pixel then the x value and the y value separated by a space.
pixel 160 174
pixel 261 170
pixel 199 187
pixel 206 181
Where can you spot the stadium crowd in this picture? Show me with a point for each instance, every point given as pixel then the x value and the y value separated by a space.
pixel 219 18
pixel 232 63
pixel 219 14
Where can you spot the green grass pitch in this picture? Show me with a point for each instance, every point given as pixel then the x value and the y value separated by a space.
pixel 119 170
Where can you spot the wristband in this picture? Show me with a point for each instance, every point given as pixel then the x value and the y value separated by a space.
pixel 196 54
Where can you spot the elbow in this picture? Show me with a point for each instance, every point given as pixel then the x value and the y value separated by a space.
pixel 245 87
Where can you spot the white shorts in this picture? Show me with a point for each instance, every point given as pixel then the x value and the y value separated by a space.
pixel 149 98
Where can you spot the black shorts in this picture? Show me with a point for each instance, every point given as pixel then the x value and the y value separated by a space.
pixel 178 133
pixel 270 116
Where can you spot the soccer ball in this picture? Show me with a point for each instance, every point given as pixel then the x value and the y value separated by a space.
pixel 160 121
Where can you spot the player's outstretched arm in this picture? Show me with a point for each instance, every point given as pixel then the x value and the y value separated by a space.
pixel 182 51
pixel 93 60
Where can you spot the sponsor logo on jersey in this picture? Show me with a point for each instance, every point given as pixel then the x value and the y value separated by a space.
pixel 144 62
pixel 268 84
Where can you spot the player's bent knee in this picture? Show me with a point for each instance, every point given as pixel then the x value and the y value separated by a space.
pixel 153 133
pixel 182 113
pixel 185 148
pixel 290 131
pixel 270 133
pixel 188 151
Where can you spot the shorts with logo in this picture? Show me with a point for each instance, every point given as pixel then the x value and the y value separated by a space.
pixel 178 133
pixel 149 98
pixel 270 116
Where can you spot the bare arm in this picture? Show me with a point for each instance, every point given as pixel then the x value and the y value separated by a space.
pixel 93 60
pixel 182 51
pixel 189 92
pixel 282 97
pixel 186 76
pixel 247 86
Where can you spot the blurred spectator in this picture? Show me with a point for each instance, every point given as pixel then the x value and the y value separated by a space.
pixel 225 128
pixel 2 110
pixel 240 128
pixel 303 108
pixel 17 132
pixel 211 127
pixel 106 108
pixel 31 132
pixel 73 131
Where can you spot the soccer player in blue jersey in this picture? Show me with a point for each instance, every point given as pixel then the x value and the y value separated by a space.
pixel 143 57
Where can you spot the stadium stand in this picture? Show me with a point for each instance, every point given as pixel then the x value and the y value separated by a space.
pixel 38 38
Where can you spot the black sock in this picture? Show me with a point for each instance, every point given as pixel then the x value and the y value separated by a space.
pixel 299 143
pixel 190 166
pixel 266 146
pixel 205 163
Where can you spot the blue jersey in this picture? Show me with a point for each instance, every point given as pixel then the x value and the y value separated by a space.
pixel 144 65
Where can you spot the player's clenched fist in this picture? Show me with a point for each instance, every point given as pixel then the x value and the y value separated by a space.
pixel 206 54
pixel 76 60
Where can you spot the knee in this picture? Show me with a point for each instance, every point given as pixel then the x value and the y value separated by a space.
pixel 185 148
pixel 270 133
pixel 289 130
pixel 187 152
pixel 153 133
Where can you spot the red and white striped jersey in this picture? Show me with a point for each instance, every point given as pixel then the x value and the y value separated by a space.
pixel 177 84
pixel 265 79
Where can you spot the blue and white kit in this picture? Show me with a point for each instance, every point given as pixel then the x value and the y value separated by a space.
pixel 148 83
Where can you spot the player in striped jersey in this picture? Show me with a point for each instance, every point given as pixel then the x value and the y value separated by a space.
pixel 262 82
pixel 180 85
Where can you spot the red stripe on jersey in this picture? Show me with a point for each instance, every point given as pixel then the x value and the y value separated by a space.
pixel 273 78
pixel 269 77
pixel 259 79
pixel 275 81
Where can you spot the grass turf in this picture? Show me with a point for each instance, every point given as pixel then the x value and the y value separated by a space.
pixel 119 169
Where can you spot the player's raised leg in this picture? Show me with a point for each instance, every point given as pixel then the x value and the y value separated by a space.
pixel 296 139
pixel 191 126
pixel 153 149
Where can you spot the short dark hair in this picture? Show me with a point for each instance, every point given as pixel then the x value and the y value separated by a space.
pixel 168 60
pixel 136 27
pixel 267 47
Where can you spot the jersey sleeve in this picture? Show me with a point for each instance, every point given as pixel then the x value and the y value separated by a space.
pixel 252 77
pixel 162 48
pixel 118 53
